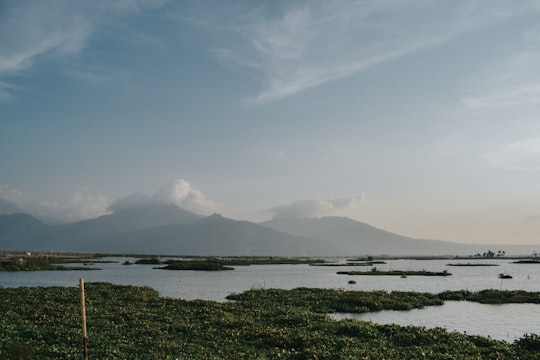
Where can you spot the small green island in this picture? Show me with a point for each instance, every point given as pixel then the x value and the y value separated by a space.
pixel 472 264
pixel 402 273
pixel 350 263
pixel 221 263
pixel 527 261
pixel 201 265
pixel 29 262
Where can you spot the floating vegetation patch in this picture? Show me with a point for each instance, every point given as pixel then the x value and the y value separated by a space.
pixel 205 265
pixel 129 322
pixel 472 264
pixel 350 263
pixel 403 273
pixel 492 296
pixel 36 263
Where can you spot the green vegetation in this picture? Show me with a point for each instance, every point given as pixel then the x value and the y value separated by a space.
pixel 126 322
pixel 493 296
pixel 490 254
pixel 149 261
pixel 35 263
pixel 369 263
pixel 82 261
pixel 234 260
pixel 375 272
pixel 241 261
pixel 326 301
pixel 471 264
pixel 220 263
pixel 204 265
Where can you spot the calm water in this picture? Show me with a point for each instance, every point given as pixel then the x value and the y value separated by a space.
pixel 505 322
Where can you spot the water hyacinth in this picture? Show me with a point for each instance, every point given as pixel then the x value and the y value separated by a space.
pixel 129 322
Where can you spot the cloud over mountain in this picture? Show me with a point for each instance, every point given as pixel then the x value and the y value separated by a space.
pixel 84 204
pixel 179 192
pixel 81 204
pixel 316 208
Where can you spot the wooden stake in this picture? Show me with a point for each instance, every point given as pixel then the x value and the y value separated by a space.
pixel 83 311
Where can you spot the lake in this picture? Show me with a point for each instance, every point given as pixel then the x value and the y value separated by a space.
pixel 505 322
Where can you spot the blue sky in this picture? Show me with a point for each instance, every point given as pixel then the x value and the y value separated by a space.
pixel 419 117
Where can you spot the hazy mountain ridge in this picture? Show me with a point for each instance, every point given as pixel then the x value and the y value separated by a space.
pixel 22 231
pixel 212 236
pixel 169 229
pixel 129 219
pixel 351 236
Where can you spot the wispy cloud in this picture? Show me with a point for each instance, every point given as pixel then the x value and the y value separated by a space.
pixel 520 155
pixel 77 206
pixel 31 30
pixel 507 96
pixel 6 90
pixel 319 207
pixel 80 205
pixel 316 42
pixel 11 194
pixel 512 80
pixel 509 82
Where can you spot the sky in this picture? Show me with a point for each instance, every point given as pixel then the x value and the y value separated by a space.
pixel 418 117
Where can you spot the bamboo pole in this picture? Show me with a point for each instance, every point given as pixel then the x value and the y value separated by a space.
pixel 83 311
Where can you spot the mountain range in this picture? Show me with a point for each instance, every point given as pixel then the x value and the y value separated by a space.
pixel 159 228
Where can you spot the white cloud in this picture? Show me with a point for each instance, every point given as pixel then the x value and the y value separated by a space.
pixel 522 155
pixel 317 208
pixel 315 42
pixel 78 206
pixel 12 195
pixel 85 205
pixel 179 192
